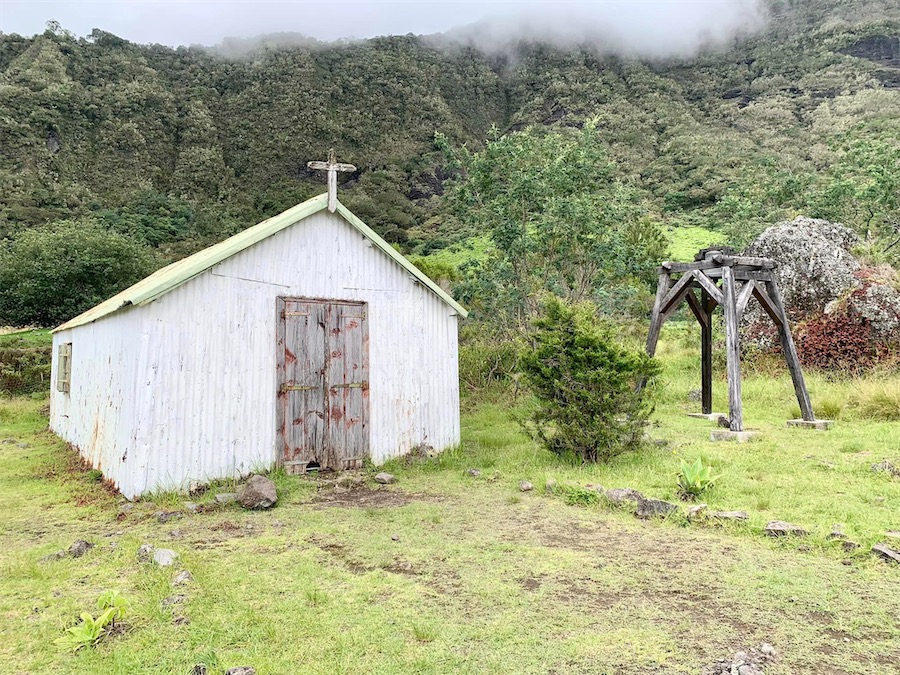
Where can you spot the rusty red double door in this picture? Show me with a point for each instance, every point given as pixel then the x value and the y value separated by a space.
pixel 323 384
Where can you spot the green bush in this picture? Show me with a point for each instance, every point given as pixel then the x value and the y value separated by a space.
pixel 588 405
pixel 487 358
pixel 24 370
pixel 52 273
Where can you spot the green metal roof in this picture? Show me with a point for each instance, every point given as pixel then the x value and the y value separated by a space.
pixel 172 276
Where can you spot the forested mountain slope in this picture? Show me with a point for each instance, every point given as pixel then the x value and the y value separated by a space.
pixel 177 147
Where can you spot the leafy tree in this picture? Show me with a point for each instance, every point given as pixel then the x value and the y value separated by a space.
pixel 52 273
pixel 588 405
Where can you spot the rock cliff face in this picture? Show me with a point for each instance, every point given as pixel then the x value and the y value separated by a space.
pixel 843 314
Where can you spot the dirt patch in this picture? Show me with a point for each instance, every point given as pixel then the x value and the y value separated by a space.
pixel 362 497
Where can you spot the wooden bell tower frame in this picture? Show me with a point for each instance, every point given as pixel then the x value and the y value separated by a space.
pixel 730 281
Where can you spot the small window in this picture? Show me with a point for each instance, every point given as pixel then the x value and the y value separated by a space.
pixel 64 367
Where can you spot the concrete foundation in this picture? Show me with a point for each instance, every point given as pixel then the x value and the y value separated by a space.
pixel 735 436
pixel 818 425
pixel 712 417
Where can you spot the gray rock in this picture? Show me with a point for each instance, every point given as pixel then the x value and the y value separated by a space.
pixel 849 546
pixel 227 497
pixel 173 600
pixel 79 548
pixel 241 670
pixel 696 512
pixel 621 496
pixel 176 534
pixel 23 445
pixel 886 553
pixel 8 441
pixel 200 669
pixel 182 578
pixel 145 552
pixel 164 557
pixel 654 508
pixel 197 488
pixel 525 486
pixel 56 555
pixel 779 528
pixel 729 515
pixel 192 507
pixel 474 473
pixel 887 467
pixel 385 478
pixel 259 493
pixel 892 535
pixel 126 508
pixel 723 422
pixel 166 516
pixel 837 532
pixel 395 537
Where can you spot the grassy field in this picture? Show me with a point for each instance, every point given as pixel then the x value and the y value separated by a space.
pixel 444 572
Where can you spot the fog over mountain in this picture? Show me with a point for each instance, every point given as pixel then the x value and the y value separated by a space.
pixel 640 27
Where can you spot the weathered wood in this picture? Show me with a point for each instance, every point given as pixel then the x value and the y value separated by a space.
pixel 744 297
pixel 790 354
pixel 332 166
pixel 656 319
pixel 721 260
pixel 732 351
pixel 768 305
pixel 710 287
pixel 701 316
pixel 742 274
pixel 706 355
pixel 676 294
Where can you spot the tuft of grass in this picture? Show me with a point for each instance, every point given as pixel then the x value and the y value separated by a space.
pixel 877 400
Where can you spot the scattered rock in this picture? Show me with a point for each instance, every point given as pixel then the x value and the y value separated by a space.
pixel 166 516
pixel 621 496
pixel 56 555
pixel 164 557
pixel 125 509
pixel 696 512
pixel 197 488
pixel 241 670
pixel 593 487
pixel 145 552
pixel 887 467
pixel 79 548
pixel 654 508
pixel 8 441
pixel 729 515
pixel 182 578
pixel 849 546
pixel 837 532
pixel 385 478
pixel 779 528
pixel 192 507
pixel 474 473
pixel 180 621
pixel 259 493
pixel 173 600
pixel 744 663
pixel 349 480
pixel 200 669
pixel 886 553
pixel 176 534
pixel 395 537
pixel 227 497
pixel 525 486
pixel 23 445
pixel 723 422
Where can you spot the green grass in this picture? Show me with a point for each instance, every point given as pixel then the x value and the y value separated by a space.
pixel 39 337
pixel 447 573
pixel 684 242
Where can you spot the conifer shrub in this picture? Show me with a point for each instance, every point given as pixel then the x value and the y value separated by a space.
pixel 589 407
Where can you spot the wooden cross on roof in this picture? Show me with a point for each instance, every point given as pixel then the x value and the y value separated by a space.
pixel 332 167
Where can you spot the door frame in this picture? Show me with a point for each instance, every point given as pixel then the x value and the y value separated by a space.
pixel 280 441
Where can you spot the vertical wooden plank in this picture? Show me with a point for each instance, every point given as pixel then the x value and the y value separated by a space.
pixel 790 353
pixel 732 349
pixel 656 318
pixel 706 355
pixel 347 384
pixel 281 441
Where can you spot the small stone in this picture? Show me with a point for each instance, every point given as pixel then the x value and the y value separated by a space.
pixel 696 512
pixel 593 487
pixel 126 508
pixel 8 441
pixel 173 600
pixel 886 553
pixel 227 497
pixel 887 467
pixel 837 532
pixel 164 557
pixel 729 515
pixel 56 555
pixel 193 507
pixel 525 486
pixel 180 621
pixel 259 493
pixel 385 478
pixel 849 546
pixel 395 537
pixel 79 548
pixel 621 496
pixel 176 534
pixel 197 488
pixel 166 516
pixel 779 528
pixel 723 422
pixel 182 578
pixel 654 508
pixel 474 473
pixel 767 649
pixel 145 552
pixel 200 669
pixel 241 670
pixel 23 445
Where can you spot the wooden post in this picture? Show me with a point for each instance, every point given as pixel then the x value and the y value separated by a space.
pixel 656 319
pixel 790 354
pixel 332 166
pixel 706 355
pixel 732 349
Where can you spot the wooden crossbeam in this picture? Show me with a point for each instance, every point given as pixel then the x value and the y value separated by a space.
pixel 768 305
pixel 709 286
pixel 744 297
pixel 701 316
pixel 674 296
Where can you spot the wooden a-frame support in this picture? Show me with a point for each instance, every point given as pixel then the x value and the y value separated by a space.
pixel 730 281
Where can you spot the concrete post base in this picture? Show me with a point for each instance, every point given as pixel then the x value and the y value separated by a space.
pixel 818 425
pixel 735 436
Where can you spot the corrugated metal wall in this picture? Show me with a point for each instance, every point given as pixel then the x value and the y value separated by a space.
pixel 187 384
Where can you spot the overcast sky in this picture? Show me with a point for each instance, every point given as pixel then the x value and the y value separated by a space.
pixel 174 22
